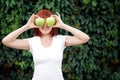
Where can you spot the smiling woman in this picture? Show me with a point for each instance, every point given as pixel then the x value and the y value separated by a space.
pixel 45 14
pixel 47 45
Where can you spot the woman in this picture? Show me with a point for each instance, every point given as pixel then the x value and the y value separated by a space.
pixel 46 46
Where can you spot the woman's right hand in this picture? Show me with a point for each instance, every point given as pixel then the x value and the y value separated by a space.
pixel 30 24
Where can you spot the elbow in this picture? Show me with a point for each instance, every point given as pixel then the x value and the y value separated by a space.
pixel 4 41
pixel 86 39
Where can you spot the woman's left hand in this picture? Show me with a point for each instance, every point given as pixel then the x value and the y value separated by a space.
pixel 59 22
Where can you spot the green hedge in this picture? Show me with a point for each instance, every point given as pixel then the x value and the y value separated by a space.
pixel 99 59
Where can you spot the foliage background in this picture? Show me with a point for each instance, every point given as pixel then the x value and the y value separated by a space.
pixel 99 59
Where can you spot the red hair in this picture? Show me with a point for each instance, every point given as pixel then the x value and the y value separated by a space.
pixel 44 14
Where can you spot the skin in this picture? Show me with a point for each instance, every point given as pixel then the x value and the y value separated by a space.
pixel 11 40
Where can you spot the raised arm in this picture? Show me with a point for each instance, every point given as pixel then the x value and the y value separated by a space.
pixel 11 39
pixel 79 37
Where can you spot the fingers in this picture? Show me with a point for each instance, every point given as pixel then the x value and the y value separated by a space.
pixel 36 16
pixel 54 16
pixel 33 16
pixel 58 14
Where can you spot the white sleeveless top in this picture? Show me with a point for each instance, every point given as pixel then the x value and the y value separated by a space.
pixel 47 61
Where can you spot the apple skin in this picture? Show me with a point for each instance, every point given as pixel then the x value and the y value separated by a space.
pixel 39 21
pixel 50 21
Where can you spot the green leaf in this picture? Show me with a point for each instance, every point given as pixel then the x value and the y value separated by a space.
pixel 86 1
pixel 94 3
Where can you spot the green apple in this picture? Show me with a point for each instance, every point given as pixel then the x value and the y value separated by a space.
pixel 39 21
pixel 50 21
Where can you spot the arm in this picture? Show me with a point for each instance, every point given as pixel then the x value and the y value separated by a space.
pixel 11 39
pixel 78 37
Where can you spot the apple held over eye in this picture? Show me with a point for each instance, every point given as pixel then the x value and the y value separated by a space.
pixel 50 21
pixel 39 21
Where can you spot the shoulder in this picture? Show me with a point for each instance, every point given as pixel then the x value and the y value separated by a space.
pixel 60 36
pixel 59 41
pixel 33 41
pixel 33 38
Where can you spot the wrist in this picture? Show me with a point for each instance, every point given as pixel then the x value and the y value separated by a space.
pixel 25 27
pixel 63 25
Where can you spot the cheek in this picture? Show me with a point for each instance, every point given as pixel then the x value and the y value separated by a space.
pixel 50 28
pixel 39 29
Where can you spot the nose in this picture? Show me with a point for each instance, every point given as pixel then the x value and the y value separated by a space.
pixel 45 26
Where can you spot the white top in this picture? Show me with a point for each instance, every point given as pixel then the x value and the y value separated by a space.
pixel 47 61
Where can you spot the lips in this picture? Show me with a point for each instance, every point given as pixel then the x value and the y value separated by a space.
pixel 45 28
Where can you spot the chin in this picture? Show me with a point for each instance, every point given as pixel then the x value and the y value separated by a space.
pixel 45 32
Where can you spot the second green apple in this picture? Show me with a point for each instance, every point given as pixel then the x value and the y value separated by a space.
pixel 50 21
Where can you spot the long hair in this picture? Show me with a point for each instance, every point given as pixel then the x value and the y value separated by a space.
pixel 44 14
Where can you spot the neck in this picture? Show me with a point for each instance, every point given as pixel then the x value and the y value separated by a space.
pixel 46 36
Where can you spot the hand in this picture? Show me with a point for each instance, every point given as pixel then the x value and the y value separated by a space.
pixel 30 24
pixel 59 22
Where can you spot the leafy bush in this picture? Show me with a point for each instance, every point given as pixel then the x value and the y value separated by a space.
pixel 99 59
